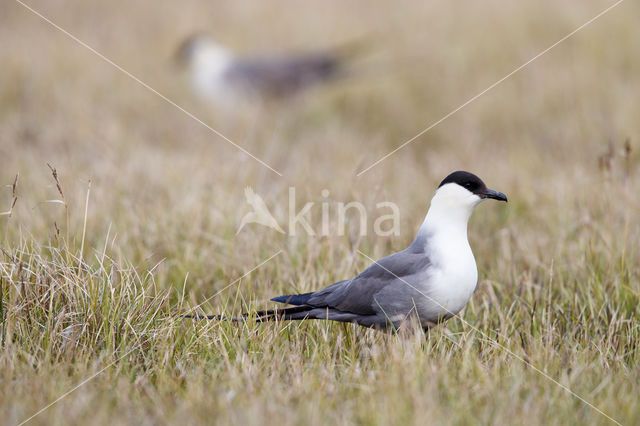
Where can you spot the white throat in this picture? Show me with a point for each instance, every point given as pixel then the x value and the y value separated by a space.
pixel 208 63
pixel 450 210
pixel 443 237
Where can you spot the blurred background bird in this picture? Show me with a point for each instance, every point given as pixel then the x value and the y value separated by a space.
pixel 216 73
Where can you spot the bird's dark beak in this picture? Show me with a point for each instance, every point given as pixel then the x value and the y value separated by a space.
pixel 178 58
pixel 490 193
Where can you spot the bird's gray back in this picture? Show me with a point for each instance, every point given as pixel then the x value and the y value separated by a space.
pixel 281 76
pixel 383 289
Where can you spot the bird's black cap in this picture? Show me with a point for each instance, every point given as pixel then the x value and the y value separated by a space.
pixel 473 184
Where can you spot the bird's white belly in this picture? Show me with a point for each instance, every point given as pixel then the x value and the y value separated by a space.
pixel 451 285
pixel 207 80
pixel 454 290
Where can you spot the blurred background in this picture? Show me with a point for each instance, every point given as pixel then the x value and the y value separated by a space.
pixel 166 194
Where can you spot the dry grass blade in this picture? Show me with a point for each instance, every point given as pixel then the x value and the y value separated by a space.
pixel 14 197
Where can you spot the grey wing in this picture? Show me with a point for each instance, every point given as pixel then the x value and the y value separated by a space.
pixel 361 295
pixel 282 76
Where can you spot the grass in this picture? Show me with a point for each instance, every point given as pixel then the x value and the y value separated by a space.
pixel 138 225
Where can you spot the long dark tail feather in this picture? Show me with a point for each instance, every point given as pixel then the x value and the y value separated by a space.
pixel 294 299
pixel 355 47
pixel 283 314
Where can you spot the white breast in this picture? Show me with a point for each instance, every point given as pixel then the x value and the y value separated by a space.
pixel 454 277
pixel 208 68
pixel 453 274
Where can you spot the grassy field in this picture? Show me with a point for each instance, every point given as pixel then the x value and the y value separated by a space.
pixel 139 222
